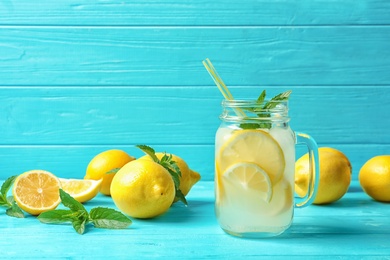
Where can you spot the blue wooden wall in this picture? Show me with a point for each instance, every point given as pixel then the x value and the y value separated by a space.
pixel 81 76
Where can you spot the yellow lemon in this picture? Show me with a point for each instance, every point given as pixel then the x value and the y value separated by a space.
pixel 81 190
pixel 143 189
pixel 103 166
pixel 335 175
pixel 37 191
pixel 374 177
pixel 249 179
pixel 252 146
pixel 188 177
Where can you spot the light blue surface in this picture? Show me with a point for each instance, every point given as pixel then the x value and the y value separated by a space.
pixel 78 77
pixel 355 226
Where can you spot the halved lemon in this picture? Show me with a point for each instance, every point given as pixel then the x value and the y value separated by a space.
pixel 254 146
pixel 248 179
pixel 37 191
pixel 80 189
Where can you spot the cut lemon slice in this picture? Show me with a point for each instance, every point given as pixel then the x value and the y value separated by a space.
pixel 255 146
pixel 37 191
pixel 81 190
pixel 251 178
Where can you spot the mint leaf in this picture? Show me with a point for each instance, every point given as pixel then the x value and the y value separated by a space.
pixel 14 211
pixel 79 225
pixel 113 171
pixel 70 202
pixel 175 175
pixel 170 166
pixel 180 196
pixel 272 103
pixel 261 98
pixel 249 125
pixel 277 99
pixel 3 201
pixel 149 151
pixel 259 101
pixel 7 185
pixel 108 218
pixel 79 216
pixel 56 216
pixel 174 170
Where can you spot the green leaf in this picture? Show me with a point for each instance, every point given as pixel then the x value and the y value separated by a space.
pixel 175 167
pixel 179 195
pixel 170 166
pixel 3 201
pixel 108 218
pixel 10 199
pixel 272 103
pixel 79 225
pixel 15 211
pixel 277 99
pixel 173 173
pixel 174 170
pixel 6 201
pixel 261 98
pixel 70 202
pixel 249 125
pixel 57 216
pixel 149 151
pixel 113 171
pixel 7 185
pixel 79 216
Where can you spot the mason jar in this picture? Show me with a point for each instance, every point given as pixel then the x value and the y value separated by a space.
pixel 254 168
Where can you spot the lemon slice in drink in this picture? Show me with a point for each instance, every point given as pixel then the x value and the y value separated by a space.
pixel 251 178
pixel 254 146
pixel 283 199
pixel 81 190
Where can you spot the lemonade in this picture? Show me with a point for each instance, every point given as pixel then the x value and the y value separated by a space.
pixel 254 168
pixel 271 215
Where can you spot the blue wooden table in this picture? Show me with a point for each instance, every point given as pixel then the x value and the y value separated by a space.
pixel 355 226
pixel 78 77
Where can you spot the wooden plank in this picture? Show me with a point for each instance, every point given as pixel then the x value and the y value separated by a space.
pixel 171 56
pixel 191 12
pixel 107 115
pixel 70 161
pixel 323 233
pixel 180 115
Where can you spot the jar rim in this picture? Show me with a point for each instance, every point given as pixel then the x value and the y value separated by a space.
pixel 243 103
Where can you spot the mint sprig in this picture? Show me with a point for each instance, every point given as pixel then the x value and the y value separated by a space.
pixel 261 107
pixel 170 165
pixel 13 209
pixel 277 99
pixel 79 217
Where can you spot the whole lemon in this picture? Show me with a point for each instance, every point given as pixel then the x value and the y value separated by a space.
pixel 374 177
pixel 188 177
pixel 101 165
pixel 335 175
pixel 143 189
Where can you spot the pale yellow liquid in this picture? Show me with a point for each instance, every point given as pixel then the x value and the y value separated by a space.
pixel 242 214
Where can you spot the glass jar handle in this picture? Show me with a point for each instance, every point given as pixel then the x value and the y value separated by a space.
pixel 314 169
